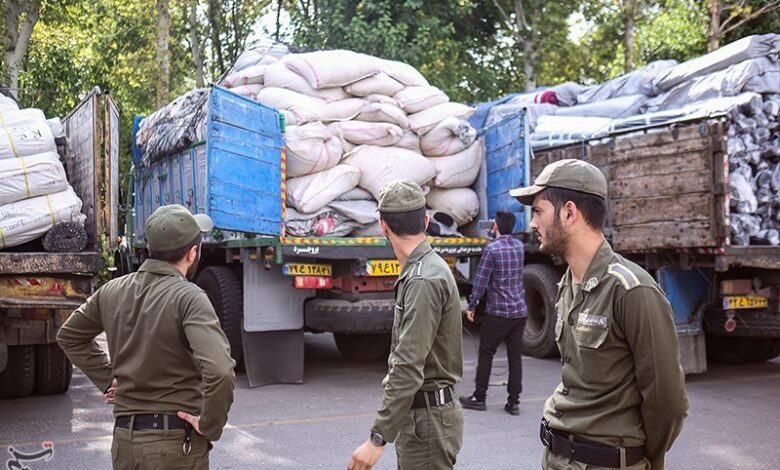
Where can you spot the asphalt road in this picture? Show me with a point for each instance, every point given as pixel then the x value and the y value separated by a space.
pixel 734 420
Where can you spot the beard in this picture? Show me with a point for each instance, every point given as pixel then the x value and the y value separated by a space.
pixel 193 269
pixel 556 240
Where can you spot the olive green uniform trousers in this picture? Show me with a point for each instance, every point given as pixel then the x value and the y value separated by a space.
pixel 158 450
pixel 430 438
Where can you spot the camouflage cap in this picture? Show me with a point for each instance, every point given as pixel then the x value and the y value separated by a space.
pixel 573 174
pixel 172 227
pixel 401 196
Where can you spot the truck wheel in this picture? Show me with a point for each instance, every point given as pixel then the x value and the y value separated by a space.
pixel 18 378
pixel 363 348
pixel 541 290
pixel 53 370
pixel 739 350
pixel 224 291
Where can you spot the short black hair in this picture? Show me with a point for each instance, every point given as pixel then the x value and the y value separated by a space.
pixel 405 223
pixel 593 208
pixel 505 222
pixel 176 255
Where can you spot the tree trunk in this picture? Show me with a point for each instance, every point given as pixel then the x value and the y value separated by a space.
pixel 525 37
pixel 715 32
pixel 163 52
pixel 529 64
pixel 197 56
pixel 630 7
pixel 214 13
pixel 16 40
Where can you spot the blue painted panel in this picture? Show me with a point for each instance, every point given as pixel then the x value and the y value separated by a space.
pixel 687 291
pixel 506 166
pixel 243 147
pixel 136 151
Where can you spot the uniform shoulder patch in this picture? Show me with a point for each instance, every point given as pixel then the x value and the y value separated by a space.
pixel 624 275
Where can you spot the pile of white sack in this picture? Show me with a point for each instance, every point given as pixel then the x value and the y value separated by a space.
pixel 740 80
pixel 34 191
pixel 355 122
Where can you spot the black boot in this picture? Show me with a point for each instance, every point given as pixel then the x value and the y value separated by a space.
pixel 512 408
pixel 472 403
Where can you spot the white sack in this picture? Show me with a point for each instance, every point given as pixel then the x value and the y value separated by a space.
pixel 381 99
pixel 7 104
pixel 379 84
pixel 26 177
pixel 449 137
pixel 381 165
pixel 247 91
pixel 462 204
pixel 311 193
pixel 369 231
pixel 414 99
pixel 311 148
pixel 325 69
pixel 459 170
pixel 248 76
pixel 372 133
pixel 738 51
pixel 363 212
pixel 357 194
pixel 342 110
pixel 306 108
pixel 410 141
pixel 380 112
pixel 427 119
pixel 404 73
pixel 279 76
pixel 26 220
pixel 24 133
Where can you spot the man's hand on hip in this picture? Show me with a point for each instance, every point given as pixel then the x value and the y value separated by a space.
pixel 365 456
pixel 193 420
pixel 110 392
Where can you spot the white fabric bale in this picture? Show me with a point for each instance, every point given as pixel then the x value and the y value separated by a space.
pixel 308 194
pixel 341 110
pixel 459 170
pixel 279 76
pixel 637 82
pixel 622 106
pixel 381 165
pixel 26 177
pixel 404 73
pixel 247 91
pixel 248 76
pixel 380 112
pixel 427 119
pixel 414 99
pixel 410 141
pixel 357 194
pixel 373 133
pixel 303 108
pixel 462 204
pixel 449 137
pixel 381 99
pixel 361 211
pixel 26 220
pixel 7 104
pixel 24 133
pixel 379 84
pixel 311 148
pixel 325 69
pixel 369 231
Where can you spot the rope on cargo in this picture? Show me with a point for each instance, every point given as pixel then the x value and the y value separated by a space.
pixel 2 237
pixel 51 211
pixel 26 177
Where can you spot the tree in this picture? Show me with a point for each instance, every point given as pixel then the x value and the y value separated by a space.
pixel 629 30
pixel 20 19
pixel 163 53
pixel 195 45
pixel 737 14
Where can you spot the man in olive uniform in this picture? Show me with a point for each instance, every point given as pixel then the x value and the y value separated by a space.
pixel 170 377
pixel 426 355
pixel 621 402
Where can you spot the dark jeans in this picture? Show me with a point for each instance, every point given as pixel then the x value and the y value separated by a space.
pixel 492 333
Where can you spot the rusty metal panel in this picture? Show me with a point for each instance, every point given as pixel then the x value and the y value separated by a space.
pixel 49 263
pixel 36 291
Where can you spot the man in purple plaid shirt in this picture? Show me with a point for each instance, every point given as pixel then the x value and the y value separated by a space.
pixel 500 273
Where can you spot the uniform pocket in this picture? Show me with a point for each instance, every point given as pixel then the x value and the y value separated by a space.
pixel 168 451
pixel 114 450
pixel 421 422
pixel 591 337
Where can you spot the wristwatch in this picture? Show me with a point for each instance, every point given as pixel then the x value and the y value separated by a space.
pixel 377 439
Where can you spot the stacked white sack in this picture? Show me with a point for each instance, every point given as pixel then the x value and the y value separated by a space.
pixel 26 220
pixel 350 110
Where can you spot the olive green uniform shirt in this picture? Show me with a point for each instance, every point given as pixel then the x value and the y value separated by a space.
pixel 622 383
pixel 168 352
pixel 426 351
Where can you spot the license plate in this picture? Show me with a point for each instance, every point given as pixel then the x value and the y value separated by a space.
pixel 383 267
pixel 301 269
pixel 739 302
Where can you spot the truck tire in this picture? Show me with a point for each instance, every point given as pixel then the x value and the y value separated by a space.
pixel 541 290
pixel 53 370
pixel 370 316
pixel 18 378
pixel 741 350
pixel 223 288
pixel 363 348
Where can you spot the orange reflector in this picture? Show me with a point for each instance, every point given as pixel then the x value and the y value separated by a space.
pixel 736 287
pixel 312 282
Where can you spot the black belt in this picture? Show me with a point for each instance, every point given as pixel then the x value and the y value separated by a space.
pixel 585 451
pixel 151 421
pixel 435 398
